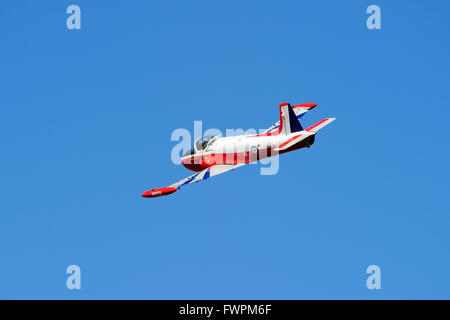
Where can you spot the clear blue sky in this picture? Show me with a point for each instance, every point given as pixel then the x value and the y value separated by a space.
pixel 86 119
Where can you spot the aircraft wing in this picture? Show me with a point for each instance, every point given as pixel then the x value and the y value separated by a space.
pixel 196 177
pixel 299 110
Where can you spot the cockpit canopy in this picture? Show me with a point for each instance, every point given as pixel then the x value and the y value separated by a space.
pixel 201 144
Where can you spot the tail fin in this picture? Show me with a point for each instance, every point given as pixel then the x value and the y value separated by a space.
pixel 288 120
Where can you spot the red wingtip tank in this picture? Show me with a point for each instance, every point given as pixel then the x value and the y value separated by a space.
pixel 159 192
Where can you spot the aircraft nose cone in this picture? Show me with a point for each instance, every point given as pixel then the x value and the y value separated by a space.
pixel 186 161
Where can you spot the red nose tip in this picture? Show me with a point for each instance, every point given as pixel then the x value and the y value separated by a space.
pixel 159 192
pixel 186 161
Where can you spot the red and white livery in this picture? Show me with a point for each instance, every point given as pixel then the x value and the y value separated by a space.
pixel 213 155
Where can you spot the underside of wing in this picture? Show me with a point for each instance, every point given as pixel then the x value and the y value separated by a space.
pixel 199 176
pixel 206 174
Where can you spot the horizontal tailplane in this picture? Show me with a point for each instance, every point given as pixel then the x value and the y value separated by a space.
pixel 319 125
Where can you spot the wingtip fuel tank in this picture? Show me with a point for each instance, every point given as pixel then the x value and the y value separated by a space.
pixel 159 192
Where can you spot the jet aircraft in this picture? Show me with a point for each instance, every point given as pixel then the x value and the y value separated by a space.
pixel 213 155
